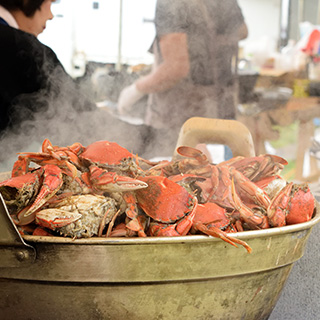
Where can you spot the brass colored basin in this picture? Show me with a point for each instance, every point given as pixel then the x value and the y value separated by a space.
pixel 191 277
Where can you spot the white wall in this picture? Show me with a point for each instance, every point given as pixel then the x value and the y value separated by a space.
pixel 262 18
pixel 81 32
pixel 59 32
pixel 98 34
pixel 79 28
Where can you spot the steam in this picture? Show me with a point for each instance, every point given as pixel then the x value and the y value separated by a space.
pixel 59 114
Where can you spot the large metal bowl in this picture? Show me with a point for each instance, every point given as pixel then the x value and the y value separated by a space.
pixel 191 277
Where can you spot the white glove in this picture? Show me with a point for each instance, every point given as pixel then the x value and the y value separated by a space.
pixel 128 97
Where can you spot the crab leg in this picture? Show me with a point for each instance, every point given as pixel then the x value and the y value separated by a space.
pixel 250 189
pixel 259 167
pixel 104 181
pixel 20 167
pixel 132 212
pixel 63 153
pixel 248 216
pixel 277 209
pixel 217 233
pixel 111 224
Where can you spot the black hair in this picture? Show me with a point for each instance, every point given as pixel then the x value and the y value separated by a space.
pixel 28 7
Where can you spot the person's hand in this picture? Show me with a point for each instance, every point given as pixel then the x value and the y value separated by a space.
pixel 128 97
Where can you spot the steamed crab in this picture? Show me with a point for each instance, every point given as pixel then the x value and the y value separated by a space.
pixel 174 211
pixel 80 216
pixel 220 184
pixel 171 198
pixel 293 204
pixel 25 194
pixel 240 184
pixel 110 156
pixel 171 207
pixel 70 170
pixel 77 159
pixel 213 220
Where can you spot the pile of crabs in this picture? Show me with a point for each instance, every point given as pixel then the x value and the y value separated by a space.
pixel 106 191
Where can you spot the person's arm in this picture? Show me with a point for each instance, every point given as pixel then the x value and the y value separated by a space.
pixel 174 68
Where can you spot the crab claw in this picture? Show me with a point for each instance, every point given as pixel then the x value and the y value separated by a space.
pixel 249 189
pixel 253 219
pixel 52 182
pixel 56 218
pixel 277 209
pixel 102 180
pixel 20 190
pixel 25 220
pixel 20 167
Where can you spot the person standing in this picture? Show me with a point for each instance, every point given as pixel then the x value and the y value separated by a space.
pixel 192 76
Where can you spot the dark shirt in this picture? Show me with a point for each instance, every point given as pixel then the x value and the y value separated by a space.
pixel 32 80
pixel 2 21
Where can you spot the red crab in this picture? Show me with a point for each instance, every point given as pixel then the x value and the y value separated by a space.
pixel 171 207
pixel 31 191
pixel 216 186
pixel 230 189
pixel 293 204
pixel 19 191
pixel 66 158
pixel 212 220
pixel 110 156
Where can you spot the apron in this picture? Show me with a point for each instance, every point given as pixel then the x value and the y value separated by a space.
pixel 167 111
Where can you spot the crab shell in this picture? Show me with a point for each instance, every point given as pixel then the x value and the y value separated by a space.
pixel 301 204
pixel 211 214
pixel 109 155
pixel 78 216
pixel 19 191
pixel 164 200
